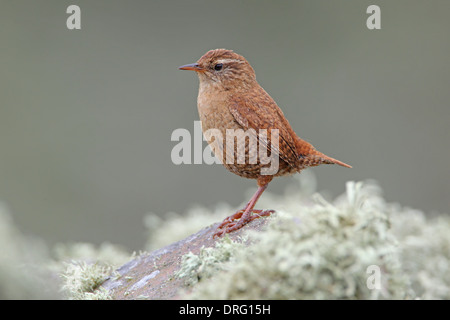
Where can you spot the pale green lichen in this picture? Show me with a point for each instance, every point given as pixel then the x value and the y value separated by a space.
pixel 317 249
pixel 321 251
pixel 82 281
pixel 425 251
pixel 312 249
pixel 209 261
pixel 83 268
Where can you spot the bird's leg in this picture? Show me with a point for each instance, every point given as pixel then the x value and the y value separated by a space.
pixel 236 216
pixel 245 215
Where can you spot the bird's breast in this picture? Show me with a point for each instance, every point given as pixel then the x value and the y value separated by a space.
pixel 213 109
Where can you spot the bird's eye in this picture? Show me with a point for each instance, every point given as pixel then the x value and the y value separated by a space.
pixel 218 67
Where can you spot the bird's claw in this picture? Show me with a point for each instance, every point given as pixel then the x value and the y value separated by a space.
pixel 229 224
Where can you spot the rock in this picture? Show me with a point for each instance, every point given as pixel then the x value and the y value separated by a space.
pixel 152 275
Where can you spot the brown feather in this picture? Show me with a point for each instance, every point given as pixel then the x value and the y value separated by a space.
pixel 263 113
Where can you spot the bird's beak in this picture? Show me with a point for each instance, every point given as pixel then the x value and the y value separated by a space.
pixel 192 66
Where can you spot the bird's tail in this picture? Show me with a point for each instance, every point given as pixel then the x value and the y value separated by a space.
pixel 311 157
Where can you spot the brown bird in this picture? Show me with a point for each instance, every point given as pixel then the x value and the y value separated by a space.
pixel 230 100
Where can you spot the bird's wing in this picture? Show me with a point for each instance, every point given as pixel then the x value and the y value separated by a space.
pixel 257 111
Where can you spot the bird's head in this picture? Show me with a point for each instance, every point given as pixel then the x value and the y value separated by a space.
pixel 224 68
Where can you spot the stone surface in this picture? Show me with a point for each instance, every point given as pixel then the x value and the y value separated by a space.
pixel 152 275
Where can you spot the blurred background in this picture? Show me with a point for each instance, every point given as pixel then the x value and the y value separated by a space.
pixel 86 116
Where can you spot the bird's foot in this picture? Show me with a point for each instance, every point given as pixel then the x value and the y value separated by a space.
pixel 239 219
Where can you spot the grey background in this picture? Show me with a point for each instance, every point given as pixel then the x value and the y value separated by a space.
pixel 86 116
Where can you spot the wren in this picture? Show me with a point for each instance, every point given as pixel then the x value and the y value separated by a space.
pixel 230 98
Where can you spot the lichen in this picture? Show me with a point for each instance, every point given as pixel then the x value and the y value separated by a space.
pixel 425 251
pixel 318 249
pixel 81 281
pixel 312 248
pixel 83 267
pixel 209 261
